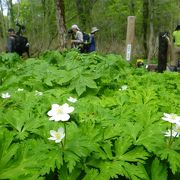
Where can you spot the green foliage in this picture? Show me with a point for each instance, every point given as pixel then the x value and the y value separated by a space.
pixel 111 134
pixel 39 17
pixel 158 170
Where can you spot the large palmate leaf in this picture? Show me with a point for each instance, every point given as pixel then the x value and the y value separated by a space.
pixel 7 150
pixel 23 124
pixel 158 170
pixel 173 157
pixel 125 153
pixel 82 82
pixel 78 145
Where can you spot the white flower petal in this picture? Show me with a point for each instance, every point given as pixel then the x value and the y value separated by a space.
pixel 60 113
pixel 19 89
pixel 123 88
pixel 174 133
pixel 62 117
pixel 61 130
pixel 172 118
pixel 51 118
pixel 53 112
pixel 165 118
pixel 166 115
pixel 57 136
pixel 58 140
pixel 177 128
pixel 67 109
pixel 52 132
pixel 55 106
pixel 52 138
pixel 71 99
pixel 5 95
pixel 38 93
pixel 50 113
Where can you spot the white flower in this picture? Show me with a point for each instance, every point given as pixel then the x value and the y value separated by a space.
pixel 5 95
pixel 60 113
pixel 172 118
pixel 177 128
pixel 71 99
pixel 57 136
pixel 19 89
pixel 37 93
pixel 123 88
pixel 174 133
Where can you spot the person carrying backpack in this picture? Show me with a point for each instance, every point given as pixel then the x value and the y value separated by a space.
pixel 21 42
pixel 92 46
pixel 16 42
pixel 78 37
pixel 11 41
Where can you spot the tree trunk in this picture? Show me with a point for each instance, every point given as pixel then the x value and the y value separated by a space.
pixel 60 15
pixel 11 11
pixel 151 29
pixel 145 25
pixel 132 7
pixel 2 24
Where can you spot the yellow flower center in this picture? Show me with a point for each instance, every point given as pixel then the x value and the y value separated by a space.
pixel 173 116
pixel 57 135
pixel 178 129
pixel 59 111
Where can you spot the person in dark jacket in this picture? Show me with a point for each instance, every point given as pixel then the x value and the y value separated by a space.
pixel 92 46
pixel 11 41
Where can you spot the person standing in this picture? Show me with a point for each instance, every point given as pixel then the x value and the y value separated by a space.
pixel 176 47
pixel 92 46
pixel 10 41
pixel 78 37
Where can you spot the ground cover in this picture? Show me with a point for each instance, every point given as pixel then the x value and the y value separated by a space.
pixel 87 116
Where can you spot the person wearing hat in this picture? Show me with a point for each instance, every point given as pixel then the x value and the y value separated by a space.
pixel 78 37
pixel 11 41
pixel 176 48
pixel 92 46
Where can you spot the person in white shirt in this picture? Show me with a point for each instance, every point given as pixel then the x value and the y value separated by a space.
pixel 78 37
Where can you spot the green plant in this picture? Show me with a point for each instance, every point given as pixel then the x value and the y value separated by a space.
pixel 114 131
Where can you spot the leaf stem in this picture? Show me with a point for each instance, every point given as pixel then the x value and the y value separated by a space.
pixel 170 135
pixel 171 140
pixel 65 134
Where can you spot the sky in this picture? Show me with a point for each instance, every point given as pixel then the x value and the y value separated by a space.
pixel 5 8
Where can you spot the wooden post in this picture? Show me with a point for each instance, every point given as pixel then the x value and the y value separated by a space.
pixel 163 50
pixel 130 37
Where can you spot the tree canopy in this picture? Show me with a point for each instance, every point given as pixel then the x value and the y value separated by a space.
pixel 110 16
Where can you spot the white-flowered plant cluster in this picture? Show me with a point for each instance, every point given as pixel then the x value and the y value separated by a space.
pixel 60 113
pixel 57 136
pixel 175 121
pixel 5 95
pixel 19 89
pixel 123 88
pixel 71 99
pixel 38 93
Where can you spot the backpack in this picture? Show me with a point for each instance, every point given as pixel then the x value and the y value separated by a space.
pixel 86 43
pixel 21 45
